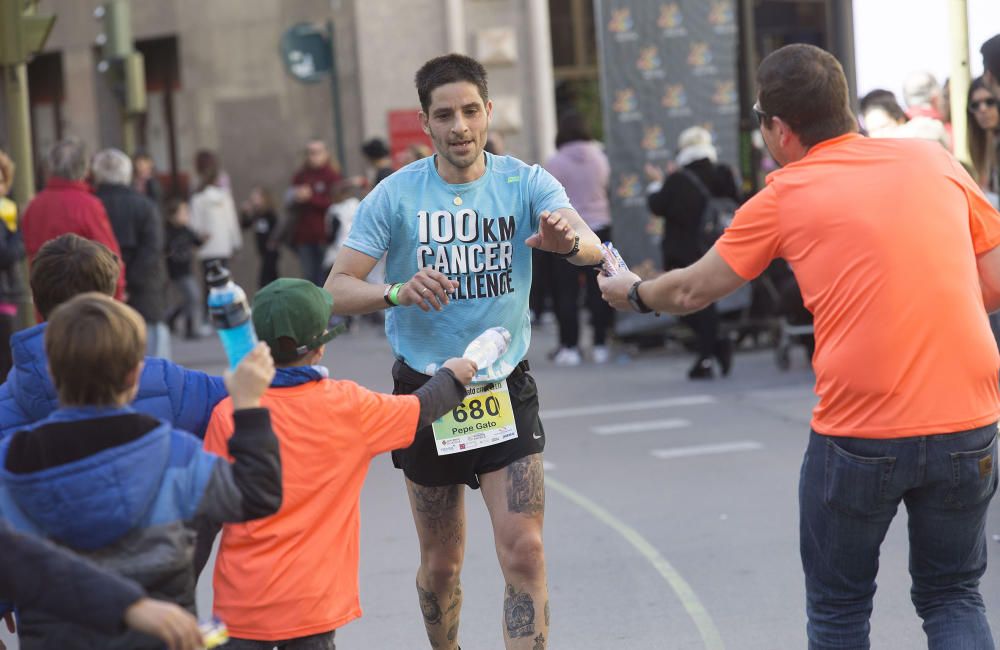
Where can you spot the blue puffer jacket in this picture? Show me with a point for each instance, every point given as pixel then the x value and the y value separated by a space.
pixel 130 493
pixel 182 397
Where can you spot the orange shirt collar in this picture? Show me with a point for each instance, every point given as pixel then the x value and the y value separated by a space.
pixel 819 146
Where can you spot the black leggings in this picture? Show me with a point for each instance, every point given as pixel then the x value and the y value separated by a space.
pixel 705 324
pixel 566 281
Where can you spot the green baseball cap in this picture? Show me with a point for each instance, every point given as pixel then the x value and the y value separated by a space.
pixel 295 309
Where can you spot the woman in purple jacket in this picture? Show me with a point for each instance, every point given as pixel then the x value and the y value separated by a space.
pixel 581 165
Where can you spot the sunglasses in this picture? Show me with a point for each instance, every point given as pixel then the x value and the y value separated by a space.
pixel 761 115
pixel 981 104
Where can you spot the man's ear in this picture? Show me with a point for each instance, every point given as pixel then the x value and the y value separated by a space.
pixel 424 122
pixel 489 110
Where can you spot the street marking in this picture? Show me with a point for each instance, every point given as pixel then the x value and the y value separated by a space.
pixel 637 427
pixel 619 407
pixel 689 600
pixel 704 450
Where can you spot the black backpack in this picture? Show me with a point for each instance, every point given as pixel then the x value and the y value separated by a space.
pixel 717 214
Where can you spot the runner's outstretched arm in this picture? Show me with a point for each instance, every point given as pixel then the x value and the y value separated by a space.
pixel 557 232
pixel 681 291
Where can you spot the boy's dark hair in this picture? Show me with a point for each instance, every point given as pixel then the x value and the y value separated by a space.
pixel 449 69
pixel 171 206
pixel 806 87
pixel 991 56
pixel 70 265
pixel 93 343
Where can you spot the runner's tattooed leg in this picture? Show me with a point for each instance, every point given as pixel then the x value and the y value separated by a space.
pixel 526 485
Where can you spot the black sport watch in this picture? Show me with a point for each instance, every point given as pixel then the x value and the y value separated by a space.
pixel 635 299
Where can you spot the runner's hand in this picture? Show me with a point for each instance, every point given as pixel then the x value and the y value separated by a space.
pixel 615 288
pixel 464 369
pixel 166 621
pixel 554 234
pixel 428 289
pixel 251 378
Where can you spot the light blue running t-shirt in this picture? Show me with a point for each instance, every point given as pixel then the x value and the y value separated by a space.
pixel 412 217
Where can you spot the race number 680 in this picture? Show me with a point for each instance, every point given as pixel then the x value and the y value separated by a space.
pixel 477 409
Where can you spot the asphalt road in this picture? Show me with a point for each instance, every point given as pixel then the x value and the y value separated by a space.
pixel 671 518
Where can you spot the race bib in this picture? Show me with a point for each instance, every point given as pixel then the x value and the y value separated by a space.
pixel 485 417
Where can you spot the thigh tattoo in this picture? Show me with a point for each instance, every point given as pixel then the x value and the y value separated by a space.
pixel 526 486
pixel 435 504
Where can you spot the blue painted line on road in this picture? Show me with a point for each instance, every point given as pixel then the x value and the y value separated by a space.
pixel 689 600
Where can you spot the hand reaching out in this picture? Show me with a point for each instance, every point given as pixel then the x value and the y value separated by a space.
pixel 464 369
pixel 168 622
pixel 554 234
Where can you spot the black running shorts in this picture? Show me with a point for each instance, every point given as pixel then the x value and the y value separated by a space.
pixel 420 461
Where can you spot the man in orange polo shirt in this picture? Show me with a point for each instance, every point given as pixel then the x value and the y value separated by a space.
pixel 896 252
pixel 291 579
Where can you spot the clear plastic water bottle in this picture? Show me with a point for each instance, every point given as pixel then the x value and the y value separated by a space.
pixel 230 314
pixel 489 346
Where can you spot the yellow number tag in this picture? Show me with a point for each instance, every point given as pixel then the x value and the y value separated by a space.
pixel 484 418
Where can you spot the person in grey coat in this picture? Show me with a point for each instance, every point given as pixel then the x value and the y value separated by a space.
pixel 139 230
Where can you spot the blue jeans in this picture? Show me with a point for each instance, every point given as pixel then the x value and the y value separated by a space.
pixel 849 491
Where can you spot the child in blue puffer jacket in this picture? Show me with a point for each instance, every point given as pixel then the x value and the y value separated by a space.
pixel 65 267
pixel 128 491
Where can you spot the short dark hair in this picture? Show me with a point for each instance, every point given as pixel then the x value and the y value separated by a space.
pixel 93 344
pixel 206 164
pixel 449 69
pixel 806 87
pixel 991 56
pixel 70 265
pixel 884 99
pixel 572 128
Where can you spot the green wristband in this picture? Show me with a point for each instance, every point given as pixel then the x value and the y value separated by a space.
pixel 394 293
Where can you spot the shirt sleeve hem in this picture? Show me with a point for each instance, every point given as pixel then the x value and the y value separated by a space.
pixel 727 256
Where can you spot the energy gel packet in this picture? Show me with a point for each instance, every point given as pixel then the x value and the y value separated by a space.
pixel 612 263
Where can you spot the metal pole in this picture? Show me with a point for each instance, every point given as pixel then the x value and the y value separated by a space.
pixel 15 85
pixel 454 12
pixel 338 126
pixel 958 25
pixel 543 94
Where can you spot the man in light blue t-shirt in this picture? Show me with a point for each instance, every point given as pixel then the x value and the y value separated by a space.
pixel 457 229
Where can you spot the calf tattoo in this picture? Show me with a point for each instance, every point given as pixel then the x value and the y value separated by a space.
pixel 539 642
pixel 518 613
pixel 429 606
pixel 526 486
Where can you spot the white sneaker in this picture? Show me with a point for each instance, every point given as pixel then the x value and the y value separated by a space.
pixel 601 354
pixel 567 357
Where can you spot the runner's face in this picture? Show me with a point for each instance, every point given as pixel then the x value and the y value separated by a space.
pixel 456 121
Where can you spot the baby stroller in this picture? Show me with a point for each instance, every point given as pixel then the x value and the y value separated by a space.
pixel 795 323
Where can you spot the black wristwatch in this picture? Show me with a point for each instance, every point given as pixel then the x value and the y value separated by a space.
pixel 635 299
pixel 573 251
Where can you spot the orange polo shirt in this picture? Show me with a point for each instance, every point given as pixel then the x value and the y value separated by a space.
pixel 882 236
pixel 295 573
